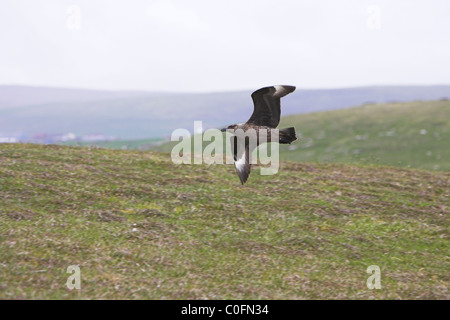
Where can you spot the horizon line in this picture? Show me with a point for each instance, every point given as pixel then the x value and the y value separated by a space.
pixel 217 91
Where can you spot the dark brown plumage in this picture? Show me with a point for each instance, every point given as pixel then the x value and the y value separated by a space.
pixel 265 117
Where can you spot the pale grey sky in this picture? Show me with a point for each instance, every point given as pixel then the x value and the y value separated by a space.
pixel 200 45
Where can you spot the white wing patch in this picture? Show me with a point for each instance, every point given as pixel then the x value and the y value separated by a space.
pixel 243 166
pixel 279 91
pixel 240 163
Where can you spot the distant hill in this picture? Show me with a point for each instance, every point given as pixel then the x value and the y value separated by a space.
pixel 134 115
pixel 407 134
pixel 16 96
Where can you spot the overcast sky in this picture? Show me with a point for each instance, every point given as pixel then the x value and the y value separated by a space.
pixel 199 45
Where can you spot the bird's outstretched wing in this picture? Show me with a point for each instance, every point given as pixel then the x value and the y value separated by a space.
pixel 241 159
pixel 267 105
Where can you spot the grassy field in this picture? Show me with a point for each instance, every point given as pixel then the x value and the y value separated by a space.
pixel 408 134
pixel 142 144
pixel 140 227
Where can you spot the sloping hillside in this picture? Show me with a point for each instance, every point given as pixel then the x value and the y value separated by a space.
pixel 409 134
pixel 140 227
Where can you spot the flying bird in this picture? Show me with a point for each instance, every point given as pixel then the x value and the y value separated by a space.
pixel 265 119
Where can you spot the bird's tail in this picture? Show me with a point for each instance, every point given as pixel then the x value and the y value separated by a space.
pixel 287 135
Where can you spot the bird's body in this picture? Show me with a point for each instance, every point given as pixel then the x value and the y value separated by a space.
pixel 264 120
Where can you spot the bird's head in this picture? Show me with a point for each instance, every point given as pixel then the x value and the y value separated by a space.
pixel 231 127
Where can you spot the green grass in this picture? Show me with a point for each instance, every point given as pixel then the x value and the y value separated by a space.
pixel 142 144
pixel 408 135
pixel 140 227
